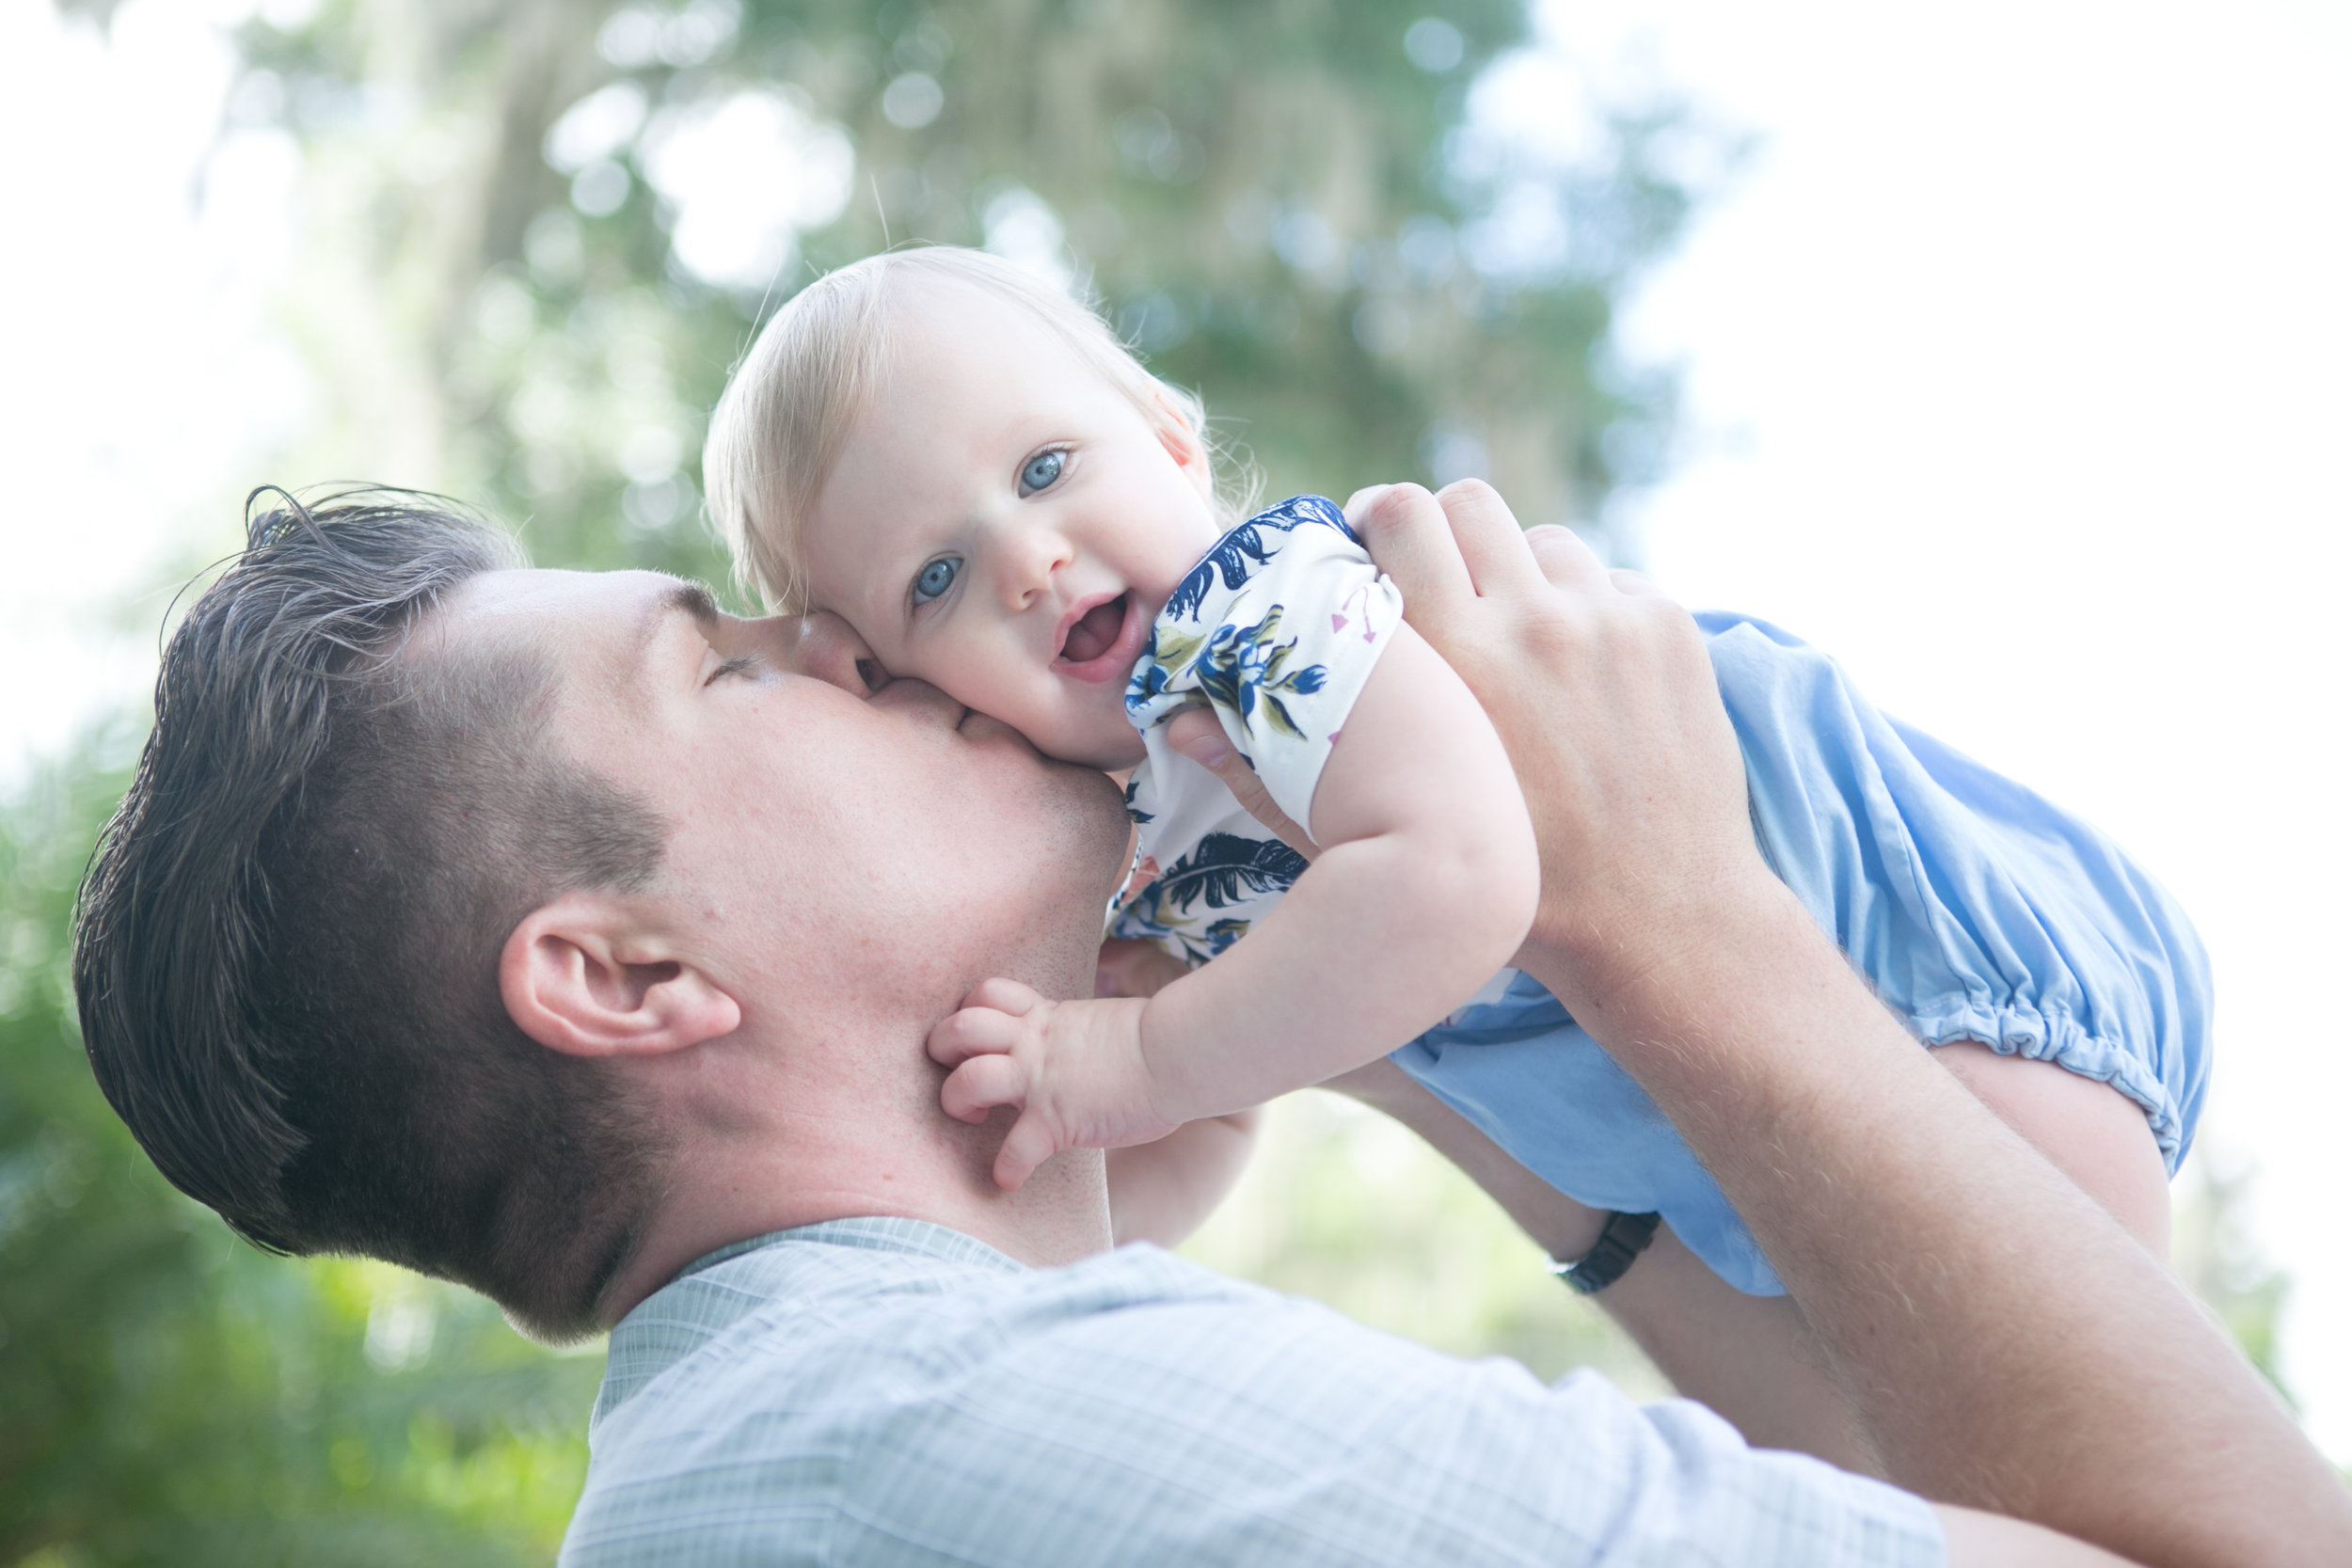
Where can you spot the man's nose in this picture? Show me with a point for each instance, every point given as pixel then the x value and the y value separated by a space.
pixel 822 646
pixel 1023 558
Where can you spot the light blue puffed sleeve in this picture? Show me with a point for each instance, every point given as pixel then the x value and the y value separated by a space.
pixel 1975 908
pixel 1978 909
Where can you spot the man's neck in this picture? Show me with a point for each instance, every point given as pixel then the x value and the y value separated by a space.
pixel 730 1191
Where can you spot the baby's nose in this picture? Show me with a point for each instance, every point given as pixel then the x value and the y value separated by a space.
pixel 1027 559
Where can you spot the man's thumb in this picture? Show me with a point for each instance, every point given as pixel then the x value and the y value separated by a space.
pixel 1196 734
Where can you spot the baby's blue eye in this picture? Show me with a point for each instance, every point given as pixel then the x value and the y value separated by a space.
pixel 1040 471
pixel 935 580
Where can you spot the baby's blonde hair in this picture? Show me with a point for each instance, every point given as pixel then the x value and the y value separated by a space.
pixel 780 425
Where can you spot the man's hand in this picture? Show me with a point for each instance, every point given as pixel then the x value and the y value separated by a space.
pixel 1600 688
pixel 1075 1069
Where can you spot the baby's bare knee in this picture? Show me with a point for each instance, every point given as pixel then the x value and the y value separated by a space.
pixel 2089 1130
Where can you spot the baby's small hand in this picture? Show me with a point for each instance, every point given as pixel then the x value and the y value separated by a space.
pixel 1074 1068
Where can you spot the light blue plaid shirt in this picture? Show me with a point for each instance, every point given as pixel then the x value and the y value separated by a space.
pixel 884 1391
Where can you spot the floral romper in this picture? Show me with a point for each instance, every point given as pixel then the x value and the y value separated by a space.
pixel 1975 908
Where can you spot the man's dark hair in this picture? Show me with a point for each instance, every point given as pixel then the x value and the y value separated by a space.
pixel 288 942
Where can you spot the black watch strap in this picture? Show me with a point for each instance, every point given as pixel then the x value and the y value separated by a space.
pixel 1622 1239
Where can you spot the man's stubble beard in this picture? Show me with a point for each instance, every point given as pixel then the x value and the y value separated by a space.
pixel 1089 819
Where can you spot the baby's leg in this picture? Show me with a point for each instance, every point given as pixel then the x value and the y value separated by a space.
pixel 2099 1138
pixel 1751 1359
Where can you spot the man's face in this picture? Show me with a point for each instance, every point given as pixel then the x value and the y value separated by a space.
pixel 823 840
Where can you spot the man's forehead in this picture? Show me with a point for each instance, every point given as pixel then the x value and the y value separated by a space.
pixel 603 617
pixel 590 601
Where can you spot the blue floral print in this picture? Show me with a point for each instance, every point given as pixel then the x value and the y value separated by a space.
pixel 1236 556
pixel 1223 871
pixel 1275 631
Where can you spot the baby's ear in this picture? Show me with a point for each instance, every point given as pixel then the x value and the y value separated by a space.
pixel 1182 444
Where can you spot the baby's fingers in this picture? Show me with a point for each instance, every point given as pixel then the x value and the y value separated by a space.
pixel 1029 1145
pixel 981 1085
pixel 1005 997
pixel 973 1032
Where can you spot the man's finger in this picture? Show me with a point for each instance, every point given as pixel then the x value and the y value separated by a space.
pixel 981 1085
pixel 1358 503
pixel 1492 546
pixel 1029 1145
pixel 1406 531
pixel 1195 733
pixel 1566 560
pixel 1633 585
pixel 973 1032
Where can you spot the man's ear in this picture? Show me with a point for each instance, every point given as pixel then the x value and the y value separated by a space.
pixel 579 976
pixel 1188 450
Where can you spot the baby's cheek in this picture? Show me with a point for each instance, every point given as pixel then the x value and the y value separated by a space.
pixel 977 681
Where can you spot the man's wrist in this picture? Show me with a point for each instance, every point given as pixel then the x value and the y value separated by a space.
pixel 1630 967
pixel 1623 1237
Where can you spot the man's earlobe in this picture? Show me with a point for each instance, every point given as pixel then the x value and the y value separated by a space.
pixel 578 977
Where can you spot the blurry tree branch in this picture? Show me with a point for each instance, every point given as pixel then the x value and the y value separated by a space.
pixel 537 234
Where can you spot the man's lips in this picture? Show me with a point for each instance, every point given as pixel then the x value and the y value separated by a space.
pixel 1102 641
pixel 927 705
pixel 921 699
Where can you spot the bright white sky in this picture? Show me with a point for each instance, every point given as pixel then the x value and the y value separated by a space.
pixel 2018 369
pixel 2017 376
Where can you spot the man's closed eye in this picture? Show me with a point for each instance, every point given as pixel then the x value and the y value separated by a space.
pixel 739 665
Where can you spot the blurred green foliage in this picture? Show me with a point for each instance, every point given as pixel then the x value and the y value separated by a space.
pixel 2214 1249
pixel 173 1396
pixel 537 234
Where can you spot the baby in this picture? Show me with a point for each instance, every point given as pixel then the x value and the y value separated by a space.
pixel 965 465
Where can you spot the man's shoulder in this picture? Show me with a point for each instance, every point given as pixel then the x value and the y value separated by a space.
pixel 761 1394
pixel 858 1291
pixel 917 1398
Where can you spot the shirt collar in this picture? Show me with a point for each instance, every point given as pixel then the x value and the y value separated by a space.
pixel 683 1316
pixel 872 1233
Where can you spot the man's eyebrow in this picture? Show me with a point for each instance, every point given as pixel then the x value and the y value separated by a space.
pixel 679 598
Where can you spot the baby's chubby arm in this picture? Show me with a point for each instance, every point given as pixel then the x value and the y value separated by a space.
pixel 1424 885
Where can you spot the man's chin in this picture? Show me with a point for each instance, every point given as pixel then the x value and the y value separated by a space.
pixel 1097 829
pixel 1088 823
pixel 977 726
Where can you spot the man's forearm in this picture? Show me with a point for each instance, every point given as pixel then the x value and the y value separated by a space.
pixel 2008 1345
pixel 2005 1343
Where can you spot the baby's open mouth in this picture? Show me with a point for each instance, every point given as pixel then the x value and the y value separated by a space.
pixel 1095 631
